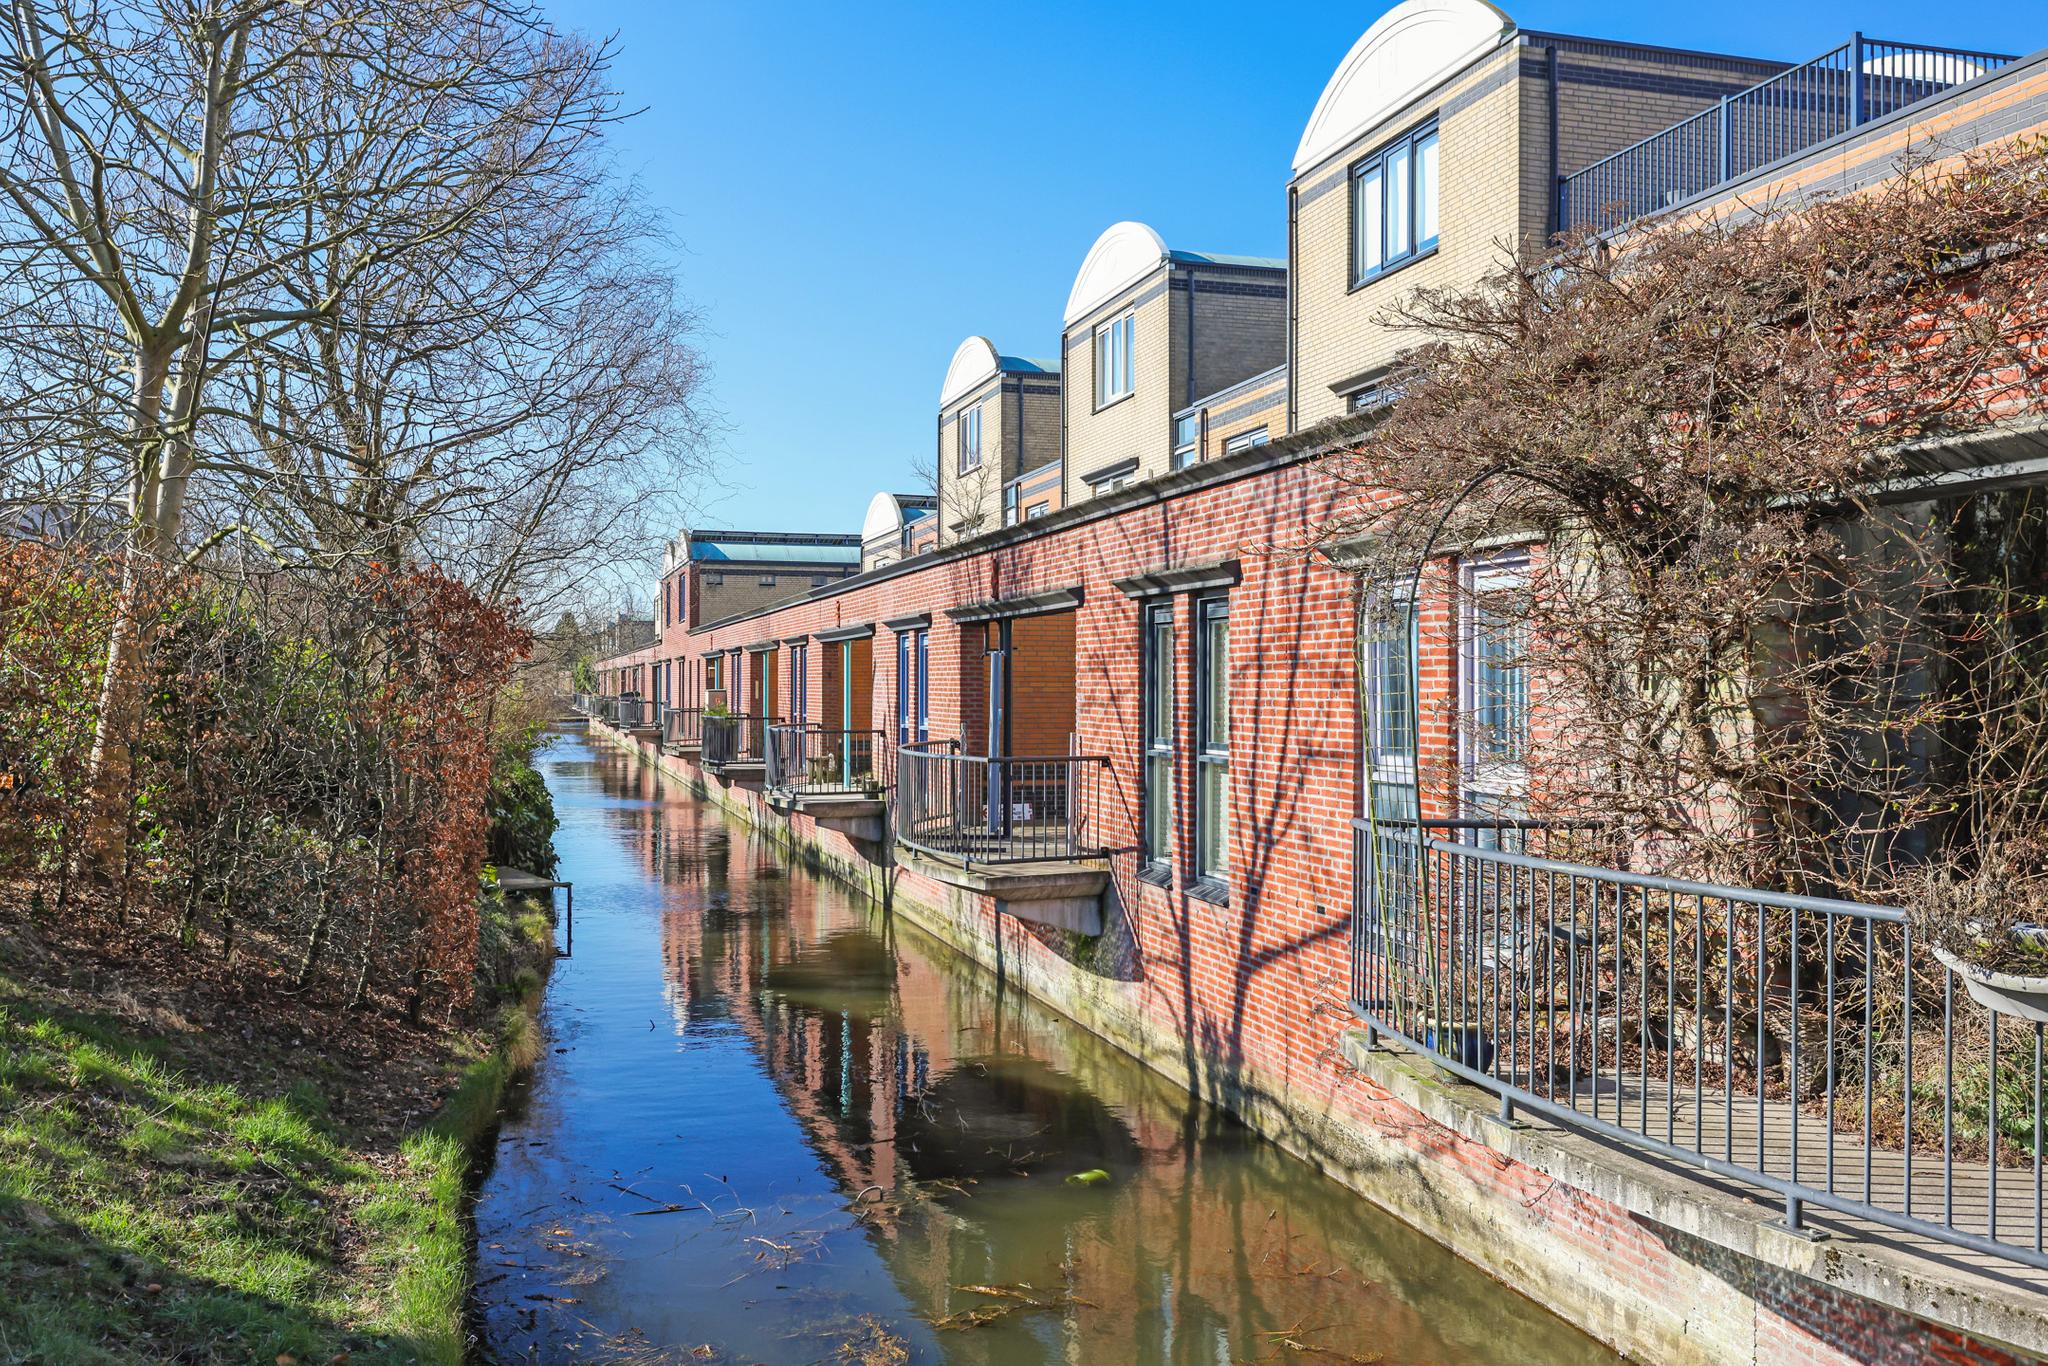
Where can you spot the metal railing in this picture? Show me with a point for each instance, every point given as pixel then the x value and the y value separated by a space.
pixel 634 713
pixel 682 726
pixel 1862 80
pixel 814 760
pixel 1001 809
pixel 1803 1045
pixel 735 738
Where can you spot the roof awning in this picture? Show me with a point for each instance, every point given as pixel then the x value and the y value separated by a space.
pixel 1027 605
pixel 1186 578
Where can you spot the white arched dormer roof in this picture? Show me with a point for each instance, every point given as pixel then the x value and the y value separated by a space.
pixel 974 360
pixel 885 518
pixel 1124 253
pixel 1408 49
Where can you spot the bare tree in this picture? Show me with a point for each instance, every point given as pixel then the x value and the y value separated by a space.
pixel 187 186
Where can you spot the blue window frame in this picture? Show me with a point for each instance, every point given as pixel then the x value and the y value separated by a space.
pixel 913 687
pixel 1394 204
pixel 1212 739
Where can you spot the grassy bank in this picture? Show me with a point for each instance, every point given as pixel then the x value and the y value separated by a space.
pixel 240 1188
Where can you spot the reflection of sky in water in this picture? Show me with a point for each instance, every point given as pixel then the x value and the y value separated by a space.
pixel 773 1124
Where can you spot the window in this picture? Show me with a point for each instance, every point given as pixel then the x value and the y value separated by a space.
pixel 1010 492
pixel 969 438
pixel 799 683
pixel 1187 440
pixel 1493 679
pixel 1037 510
pixel 1393 204
pixel 1372 397
pixel 767 580
pixel 714 580
pixel 1156 731
pixel 1212 738
pixel 1244 441
pixel 1113 359
pixel 819 580
pixel 913 687
pixel 1390 699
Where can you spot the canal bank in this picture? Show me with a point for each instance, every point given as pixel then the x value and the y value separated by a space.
pixel 1649 1259
pixel 774 1119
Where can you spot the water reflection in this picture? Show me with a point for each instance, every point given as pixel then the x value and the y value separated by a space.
pixel 777 1127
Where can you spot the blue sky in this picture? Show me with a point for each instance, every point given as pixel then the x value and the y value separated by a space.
pixel 855 188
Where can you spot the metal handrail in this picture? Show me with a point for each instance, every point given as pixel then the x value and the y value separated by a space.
pixel 815 760
pixel 1760 1035
pixel 1800 107
pixel 682 726
pixel 734 738
pixel 998 808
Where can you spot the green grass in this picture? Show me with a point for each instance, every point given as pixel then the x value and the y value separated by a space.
pixel 153 1207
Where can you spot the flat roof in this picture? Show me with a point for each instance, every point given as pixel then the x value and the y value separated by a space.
pixel 759 552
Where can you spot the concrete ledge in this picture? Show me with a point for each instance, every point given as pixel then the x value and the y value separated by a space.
pixel 1066 895
pixel 645 732
pixel 1982 1304
pixel 857 817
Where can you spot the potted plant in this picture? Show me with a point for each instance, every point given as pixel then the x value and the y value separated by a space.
pixel 1989 925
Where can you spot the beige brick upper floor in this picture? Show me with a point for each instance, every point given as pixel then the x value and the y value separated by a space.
pixel 1135 426
pixel 1497 186
pixel 1202 324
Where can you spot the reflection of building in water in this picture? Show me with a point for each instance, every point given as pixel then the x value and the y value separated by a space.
pixel 950 1112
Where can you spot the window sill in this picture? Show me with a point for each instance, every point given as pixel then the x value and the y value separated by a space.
pixel 1209 889
pixel 1156 873
pixel 1124 397
pixel 1395 269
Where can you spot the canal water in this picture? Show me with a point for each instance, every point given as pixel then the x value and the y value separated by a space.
pixel 774 1125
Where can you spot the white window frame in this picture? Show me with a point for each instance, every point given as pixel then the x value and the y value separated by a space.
pixel 967 434
pixel 1115 373
pixel 1187 452
pixel 1489 785
pixel 1391 750
pixel 1244 441
pixel 1156 747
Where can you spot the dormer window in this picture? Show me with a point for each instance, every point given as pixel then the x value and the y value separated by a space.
pixel 1113 345
pixel 1394 204
pixel 970 439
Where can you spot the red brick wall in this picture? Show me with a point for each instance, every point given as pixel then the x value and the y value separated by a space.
pixel 1250 994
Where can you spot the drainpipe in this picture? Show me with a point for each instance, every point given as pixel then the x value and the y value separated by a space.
pixel 1293 305
pixel 1554 210
pixel 1066 395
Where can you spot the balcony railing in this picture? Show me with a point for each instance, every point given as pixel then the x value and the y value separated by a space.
pixel 1862 80
pixel 1806 1046
pixel 682 726
pixel 1005 809
pixel 633 713
pixel 814 761
pixel 735 738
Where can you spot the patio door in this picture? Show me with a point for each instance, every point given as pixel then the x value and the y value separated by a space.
pixel 846 709
pixel 998 645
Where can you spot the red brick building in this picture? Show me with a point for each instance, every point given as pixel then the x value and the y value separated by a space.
pixel 1117 750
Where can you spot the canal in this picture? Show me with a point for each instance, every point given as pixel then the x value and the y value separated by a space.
pixel 773 1125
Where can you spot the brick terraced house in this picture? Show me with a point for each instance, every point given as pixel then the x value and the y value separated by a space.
pixel 1109 734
